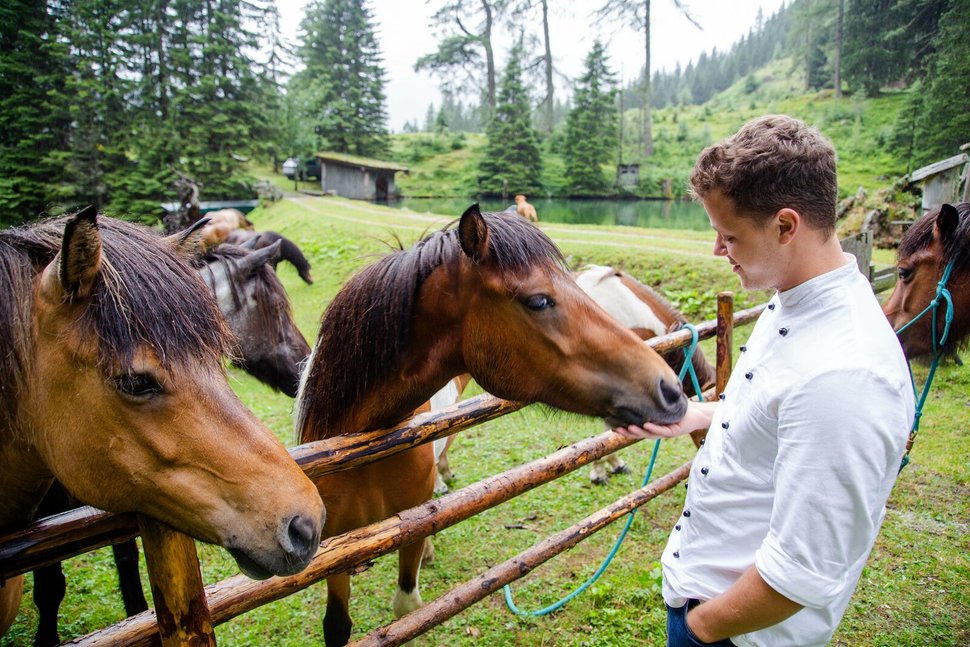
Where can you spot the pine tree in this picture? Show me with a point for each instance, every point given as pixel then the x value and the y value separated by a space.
pixel 33 124
pixel 344 78
pixel 943 118
pixel 591 127
pixel 512 161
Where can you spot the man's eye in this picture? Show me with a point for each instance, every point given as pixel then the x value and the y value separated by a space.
pixel 137 385
pixel 539 302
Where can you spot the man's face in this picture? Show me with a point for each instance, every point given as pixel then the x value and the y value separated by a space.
pixel 752 247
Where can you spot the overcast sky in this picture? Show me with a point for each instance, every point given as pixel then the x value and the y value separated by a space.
pixel 403 30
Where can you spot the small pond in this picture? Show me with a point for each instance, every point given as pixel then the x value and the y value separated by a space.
pixel 656 214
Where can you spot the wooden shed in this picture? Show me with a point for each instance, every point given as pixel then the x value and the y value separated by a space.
pixel 358 178
pixel 944 181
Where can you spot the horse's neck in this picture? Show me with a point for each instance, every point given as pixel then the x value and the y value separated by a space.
pixel 23 480
pixel 434 357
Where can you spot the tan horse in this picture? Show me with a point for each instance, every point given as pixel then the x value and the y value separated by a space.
pixel 937 239
pixel 111 367
pixel 491 298
pixel 221 224
pixel 525 209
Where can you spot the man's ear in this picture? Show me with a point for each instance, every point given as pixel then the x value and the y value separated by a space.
pixel 788 222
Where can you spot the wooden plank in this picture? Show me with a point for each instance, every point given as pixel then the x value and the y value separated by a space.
pixel 464 595
pixel 239 594
pixel 181 610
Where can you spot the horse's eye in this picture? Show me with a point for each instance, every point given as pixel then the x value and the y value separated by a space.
pixel 539 302
pixel 137 385
pixel 905 274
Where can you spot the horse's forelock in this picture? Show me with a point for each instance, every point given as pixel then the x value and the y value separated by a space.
pixel 148 295
pixel 957 248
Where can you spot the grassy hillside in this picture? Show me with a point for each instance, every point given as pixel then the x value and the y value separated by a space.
pixel 861 128
pixel 914 588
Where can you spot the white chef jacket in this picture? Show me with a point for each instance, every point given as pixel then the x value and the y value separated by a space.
pixel 800 458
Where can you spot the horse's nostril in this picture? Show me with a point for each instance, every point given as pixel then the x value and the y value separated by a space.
pixel 672 394
pixel 302 536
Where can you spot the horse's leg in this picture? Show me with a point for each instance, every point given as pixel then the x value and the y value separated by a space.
pixel 617 466
pixel 49 589
pixel 407 598
pixel 598 474
pixel 336 621
pixel 444 469
pixel 10 592
pixel 129 579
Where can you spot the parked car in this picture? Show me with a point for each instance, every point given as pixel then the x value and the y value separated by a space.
pixel 291 168
pixel 307 168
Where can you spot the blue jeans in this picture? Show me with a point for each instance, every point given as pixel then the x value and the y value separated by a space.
pixel 678 635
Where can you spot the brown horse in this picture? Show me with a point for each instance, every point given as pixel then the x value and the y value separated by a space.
pixel 112 383
pixel 939 239
pixel 491 298
pixel 648 314
pixel 289 251
pixel 268 345
pixel 221 224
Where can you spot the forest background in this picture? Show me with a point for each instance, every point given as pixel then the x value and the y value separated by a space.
pixel 109 102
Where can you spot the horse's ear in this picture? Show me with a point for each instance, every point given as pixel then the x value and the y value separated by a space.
pixel 76 266
pixel 947 221
pixel 473 234
pixel 270 254
pixel 190 242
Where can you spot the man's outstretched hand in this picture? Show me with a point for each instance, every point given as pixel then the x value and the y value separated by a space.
pixel 698 416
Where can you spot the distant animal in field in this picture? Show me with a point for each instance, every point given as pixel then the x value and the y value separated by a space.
pixel 221 224
pixel 525 209
pixel 937 241
pixel 107 332
pixel 289 251
pixel 492 298
pixel 648 314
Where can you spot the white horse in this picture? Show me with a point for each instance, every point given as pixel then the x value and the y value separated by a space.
pixel 648 314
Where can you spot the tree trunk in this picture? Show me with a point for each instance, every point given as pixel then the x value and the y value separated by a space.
pixel 548 62
pixel 647 124
pixel 837 63
pixel 489 56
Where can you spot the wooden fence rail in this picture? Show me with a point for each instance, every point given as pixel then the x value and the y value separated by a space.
pixel 69 534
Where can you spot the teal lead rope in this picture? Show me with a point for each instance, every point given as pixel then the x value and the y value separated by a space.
pixel 942 296
pixel 688 367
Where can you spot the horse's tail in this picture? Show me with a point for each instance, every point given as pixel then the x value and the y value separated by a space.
pixel 289 252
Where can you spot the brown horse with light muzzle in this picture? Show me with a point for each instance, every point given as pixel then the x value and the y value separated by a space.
pixel 111 381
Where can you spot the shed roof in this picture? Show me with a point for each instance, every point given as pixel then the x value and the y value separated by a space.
pixel 363 162
pixel 938 167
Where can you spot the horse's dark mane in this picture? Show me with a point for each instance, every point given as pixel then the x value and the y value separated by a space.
pixel 144 295
pixel 366 330
pixel 920 235
pixel 268 290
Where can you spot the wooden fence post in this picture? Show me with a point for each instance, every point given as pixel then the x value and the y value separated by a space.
pixel 181 610
pixel 725 339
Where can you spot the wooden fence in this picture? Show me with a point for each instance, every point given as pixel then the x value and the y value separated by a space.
pixel 186 612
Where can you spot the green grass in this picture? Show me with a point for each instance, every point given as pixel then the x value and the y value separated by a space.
pixel 913 592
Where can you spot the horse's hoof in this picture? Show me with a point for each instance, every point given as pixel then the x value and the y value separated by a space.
pixel 441 489
pixel 621 469
pixel 598 480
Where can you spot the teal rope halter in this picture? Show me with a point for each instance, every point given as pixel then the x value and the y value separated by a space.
pixel 688 367
pixel 942 296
